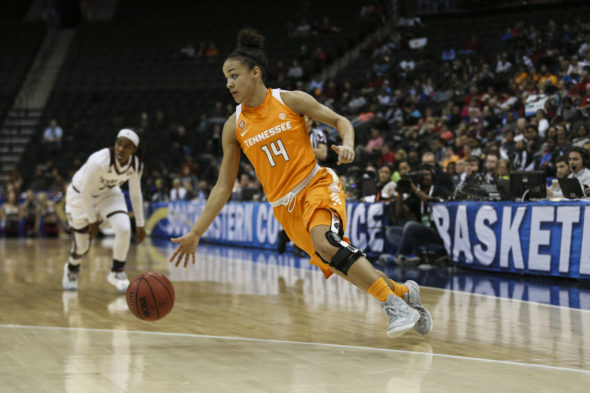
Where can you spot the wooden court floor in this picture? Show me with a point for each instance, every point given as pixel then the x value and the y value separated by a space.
pixel 255 321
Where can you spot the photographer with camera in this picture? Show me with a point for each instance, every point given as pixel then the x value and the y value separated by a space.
pixel 420 190
pixel 441 178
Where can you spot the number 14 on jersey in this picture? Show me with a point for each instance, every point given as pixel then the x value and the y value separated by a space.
pixel 276 149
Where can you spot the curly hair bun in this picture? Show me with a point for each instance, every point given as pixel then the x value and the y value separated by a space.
pixel 250 38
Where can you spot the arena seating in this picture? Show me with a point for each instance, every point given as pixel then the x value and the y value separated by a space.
pixel 18 49
pixel 116 70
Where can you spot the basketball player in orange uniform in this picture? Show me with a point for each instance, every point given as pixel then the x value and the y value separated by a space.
pixel 308 200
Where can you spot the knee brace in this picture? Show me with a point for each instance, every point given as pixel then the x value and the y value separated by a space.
pixel 347 254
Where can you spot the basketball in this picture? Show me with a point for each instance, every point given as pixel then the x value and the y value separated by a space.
pixel 150 296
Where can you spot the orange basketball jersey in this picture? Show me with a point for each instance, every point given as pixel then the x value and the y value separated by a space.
pixel 276 141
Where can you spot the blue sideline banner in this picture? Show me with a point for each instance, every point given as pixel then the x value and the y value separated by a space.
pixel 541 238
pixel 252 224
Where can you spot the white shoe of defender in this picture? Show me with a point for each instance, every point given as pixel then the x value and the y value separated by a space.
pixel 69 280
pixel 400 316
pixel 424 324
pixel 118 280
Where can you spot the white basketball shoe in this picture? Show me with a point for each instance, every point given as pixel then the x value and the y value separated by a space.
pixel 70 279
pixel 118 280
pixel 400 315
pixel 424 324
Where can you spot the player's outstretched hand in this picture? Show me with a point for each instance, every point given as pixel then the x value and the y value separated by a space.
pixel 187 247
pixel 345 154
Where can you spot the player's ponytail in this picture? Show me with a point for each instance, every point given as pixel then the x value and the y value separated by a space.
pixel 249 50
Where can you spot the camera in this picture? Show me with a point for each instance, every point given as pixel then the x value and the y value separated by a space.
pixel 404 185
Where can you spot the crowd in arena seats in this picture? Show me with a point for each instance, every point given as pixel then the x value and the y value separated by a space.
pixel 26 212
pixel 469 110
pixel 525 105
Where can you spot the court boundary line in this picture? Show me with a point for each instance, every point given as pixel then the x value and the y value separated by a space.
pixel 504 298
pixel 305 343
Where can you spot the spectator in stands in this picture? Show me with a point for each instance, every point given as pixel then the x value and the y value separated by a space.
pixel 503 64
pixel 190 190
pixel 472 46
pixel 581 135
pixel 473 177
pixel 543 123
pixel 16 180
pixel 574 66
pixel 211 53
pixel 10 215
pixel 188 51
pixel 438 149
pixel 303 28
pixel 316 87
pixel 403 167
pixel 203 191
pixel 578 161
pixel 318 58
pixel 28 211
pixel 448 54
pixel 47 222
pixel 544 158
pixel 547 77
pixel 523 158
pixel 180 144
pixel 562 145
pixel 214 141
pixel 567 111
pixel 177 192
pixel 372 149
pixel 280 70
pixel 449 158
pixel 585 102
pixel 53 135
pixel 158 194
pixel 240 191
pixel 385 186
pixel 532 139
pixel 188 175
pixel 143 127
pixel 295 72
pixel 562 171
pixel 491 168
pixel 387 156
pixel 326 26
pixel 504 169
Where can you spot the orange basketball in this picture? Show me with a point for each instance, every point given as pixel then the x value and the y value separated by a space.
pixel 150 296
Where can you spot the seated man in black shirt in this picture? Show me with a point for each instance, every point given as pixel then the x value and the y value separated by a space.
pixel 418 230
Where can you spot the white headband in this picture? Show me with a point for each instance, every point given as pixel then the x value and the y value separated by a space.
pixel 129 134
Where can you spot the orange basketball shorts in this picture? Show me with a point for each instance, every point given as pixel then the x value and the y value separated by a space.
pixel 312 207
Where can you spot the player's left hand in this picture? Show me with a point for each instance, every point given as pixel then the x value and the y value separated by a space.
pixel 139 234
pixel 187 248
pixel 345 154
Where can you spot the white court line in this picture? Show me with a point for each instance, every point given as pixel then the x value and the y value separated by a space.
pixel 503 298
pixel 265 340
